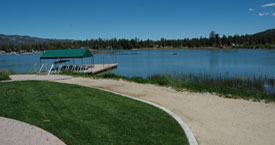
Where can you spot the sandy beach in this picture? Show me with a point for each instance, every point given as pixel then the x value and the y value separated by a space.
pixel 213 120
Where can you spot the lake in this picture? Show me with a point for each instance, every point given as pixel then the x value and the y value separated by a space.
pixel 144 63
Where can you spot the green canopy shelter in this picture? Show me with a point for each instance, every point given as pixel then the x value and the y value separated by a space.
pixel 67 53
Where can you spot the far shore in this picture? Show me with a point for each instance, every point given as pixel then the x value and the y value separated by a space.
pixel 199 48
pixel 98 51
pixel 19 53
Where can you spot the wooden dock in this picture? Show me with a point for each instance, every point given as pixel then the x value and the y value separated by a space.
pixel 99 68
pixel 88 68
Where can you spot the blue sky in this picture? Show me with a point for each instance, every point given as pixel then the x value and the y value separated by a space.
pixel 153 19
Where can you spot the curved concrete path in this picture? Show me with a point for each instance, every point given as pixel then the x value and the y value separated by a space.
pixel 191 138
pixel 13 132
pixel 39 77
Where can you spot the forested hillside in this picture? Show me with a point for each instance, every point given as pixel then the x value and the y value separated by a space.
pixel 16 43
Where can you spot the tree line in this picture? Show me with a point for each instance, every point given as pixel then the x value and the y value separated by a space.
pixel 214 40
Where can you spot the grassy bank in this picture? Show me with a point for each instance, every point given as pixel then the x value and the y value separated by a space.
pixel 246 88
pixel 81 115
pixel 4 75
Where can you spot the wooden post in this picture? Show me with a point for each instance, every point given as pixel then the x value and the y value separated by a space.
pixel 115 58
pixel 103 60
pixel 58 65
pixel 92 62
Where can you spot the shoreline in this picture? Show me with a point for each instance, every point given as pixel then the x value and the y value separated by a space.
pixel 98 51
pixel 203 48
pixel 16 53
pixel 225 87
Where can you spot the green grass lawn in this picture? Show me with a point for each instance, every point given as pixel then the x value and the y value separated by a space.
pixel 81 115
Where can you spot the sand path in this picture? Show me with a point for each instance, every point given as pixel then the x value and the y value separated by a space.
pixel 13 132
pixel 213 120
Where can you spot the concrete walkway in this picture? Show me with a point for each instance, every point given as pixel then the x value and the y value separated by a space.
pixel 13 132
pixel 39 77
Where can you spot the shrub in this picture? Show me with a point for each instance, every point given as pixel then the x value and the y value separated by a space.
pixel 4 75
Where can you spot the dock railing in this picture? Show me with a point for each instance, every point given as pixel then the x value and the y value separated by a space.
pixel 83 68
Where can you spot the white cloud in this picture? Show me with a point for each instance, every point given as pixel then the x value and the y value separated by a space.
pixel 268 5
pixel 273 14
pixel 250 9
pixel 263 14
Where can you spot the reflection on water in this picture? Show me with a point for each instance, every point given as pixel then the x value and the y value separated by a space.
pixel 230 62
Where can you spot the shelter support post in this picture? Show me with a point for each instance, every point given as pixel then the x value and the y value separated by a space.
pixel 103 59
pixel 92 61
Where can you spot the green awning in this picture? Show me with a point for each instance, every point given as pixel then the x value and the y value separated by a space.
pixel 66 53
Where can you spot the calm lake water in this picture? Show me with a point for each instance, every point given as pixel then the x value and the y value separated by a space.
pixel 231 63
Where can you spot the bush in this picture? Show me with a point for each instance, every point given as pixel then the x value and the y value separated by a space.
pixel 4 75
pixel 139 80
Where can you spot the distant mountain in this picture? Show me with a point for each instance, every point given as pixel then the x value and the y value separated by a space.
pixel 17 39
pixel 267 32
